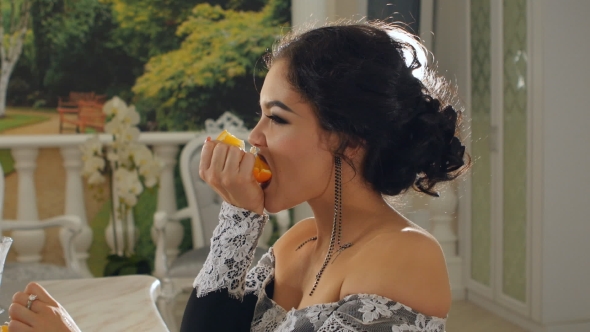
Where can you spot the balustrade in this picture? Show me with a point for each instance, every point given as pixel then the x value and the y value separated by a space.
pixel 25 149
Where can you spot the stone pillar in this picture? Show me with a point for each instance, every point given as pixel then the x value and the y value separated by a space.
pixel 442 214
pixel 27 244
pixel 75 204
pixel 174 231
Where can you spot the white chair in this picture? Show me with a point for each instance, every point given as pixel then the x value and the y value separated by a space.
pixel 203 210
pixel 24 271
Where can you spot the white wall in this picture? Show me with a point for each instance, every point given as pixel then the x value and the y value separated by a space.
pixel 566 211
pixel 560 87
pixel 319 12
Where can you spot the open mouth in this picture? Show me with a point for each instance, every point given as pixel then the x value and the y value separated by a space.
pixel 265 184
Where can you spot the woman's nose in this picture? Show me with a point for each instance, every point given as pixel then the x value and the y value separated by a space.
pixel 256 137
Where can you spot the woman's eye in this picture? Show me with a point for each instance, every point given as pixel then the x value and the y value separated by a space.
pixel 276 119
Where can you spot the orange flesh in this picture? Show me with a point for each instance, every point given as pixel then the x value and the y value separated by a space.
pixel 261 169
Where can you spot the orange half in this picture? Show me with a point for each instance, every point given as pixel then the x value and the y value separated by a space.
pixel 261 169
pixel 230 139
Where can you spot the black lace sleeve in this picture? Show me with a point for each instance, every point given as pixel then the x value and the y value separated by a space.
pixel 217 311
pixel 218 302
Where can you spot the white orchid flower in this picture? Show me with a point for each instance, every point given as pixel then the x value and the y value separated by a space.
pixel 151 168
pixel 112 156
pixel 129 135
pixel 114 106
pixel 134 185
pixel 91 147
pixel 130 117
pixel 128 199
pixel 151 173
pixel 110 127
pixel 134 165
pixel 141 155
pixel 96 178
pixel 92 165
pixel 127 181
pixel 150 181
pixel 124 153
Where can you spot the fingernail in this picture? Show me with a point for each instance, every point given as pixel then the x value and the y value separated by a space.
pixel 208 139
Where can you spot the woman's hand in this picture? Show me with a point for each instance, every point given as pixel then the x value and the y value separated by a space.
pixel 228 170
pixel 45 313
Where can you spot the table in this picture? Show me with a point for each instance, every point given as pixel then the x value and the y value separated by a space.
pixel 126 303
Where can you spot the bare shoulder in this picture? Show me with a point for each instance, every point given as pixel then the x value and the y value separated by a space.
pixel 298 233
pixel 407 266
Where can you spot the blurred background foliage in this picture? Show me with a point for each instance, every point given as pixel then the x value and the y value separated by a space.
pixel 180 62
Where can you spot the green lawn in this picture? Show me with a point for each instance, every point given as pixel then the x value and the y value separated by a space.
pixel 6 161
pixel 18 120
pixel 13 121
pixel 31 109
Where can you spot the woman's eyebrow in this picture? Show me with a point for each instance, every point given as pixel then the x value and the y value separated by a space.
pixel 272 103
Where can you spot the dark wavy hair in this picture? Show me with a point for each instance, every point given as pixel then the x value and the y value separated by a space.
pixel 360 79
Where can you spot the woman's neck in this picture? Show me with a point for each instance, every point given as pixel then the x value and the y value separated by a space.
pixel 362 208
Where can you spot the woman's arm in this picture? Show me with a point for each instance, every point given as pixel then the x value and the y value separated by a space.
pixel 218 301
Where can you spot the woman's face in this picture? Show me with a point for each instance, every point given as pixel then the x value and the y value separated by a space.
pixel 292 142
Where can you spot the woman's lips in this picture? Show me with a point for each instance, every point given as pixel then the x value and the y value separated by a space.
pixel 265 184
pixel 263 159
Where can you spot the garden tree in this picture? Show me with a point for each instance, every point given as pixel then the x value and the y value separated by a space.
pixel 215 68
pixel 23 80
pixel 73 40
pixel 147 28
pixel 74 52
pixel 12 35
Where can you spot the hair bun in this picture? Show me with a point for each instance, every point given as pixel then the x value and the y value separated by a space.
pixel 448 163
pixel 454 158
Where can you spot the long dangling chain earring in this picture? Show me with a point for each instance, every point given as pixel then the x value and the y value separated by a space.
pixel 336 225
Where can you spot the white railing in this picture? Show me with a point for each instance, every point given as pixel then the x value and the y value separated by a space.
pixel 24 149
pixel 434 214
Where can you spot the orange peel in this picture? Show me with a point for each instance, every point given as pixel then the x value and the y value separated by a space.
pixel 261 169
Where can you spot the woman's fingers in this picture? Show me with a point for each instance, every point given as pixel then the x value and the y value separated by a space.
pixel 218 158
pixel 233 165
pixel 42 294
pixel 247 165
pixel 228 170
pixel 45 314
pixel 206 153
pixel 19 312
pixel 23 299
pixel 18 326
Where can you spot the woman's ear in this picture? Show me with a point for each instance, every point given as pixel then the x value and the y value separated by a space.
pixel 354 151
pixel 351 149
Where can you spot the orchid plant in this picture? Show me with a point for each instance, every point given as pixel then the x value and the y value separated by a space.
pixel 129 165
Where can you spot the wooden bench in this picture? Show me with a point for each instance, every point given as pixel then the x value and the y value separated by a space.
pixel 91 116
pixel 69 109
pixel 88 115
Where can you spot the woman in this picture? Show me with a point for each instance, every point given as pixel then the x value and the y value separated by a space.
pixel 344 121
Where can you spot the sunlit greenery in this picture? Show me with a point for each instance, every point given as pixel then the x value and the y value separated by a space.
pixel 215 68
pixel 179 61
